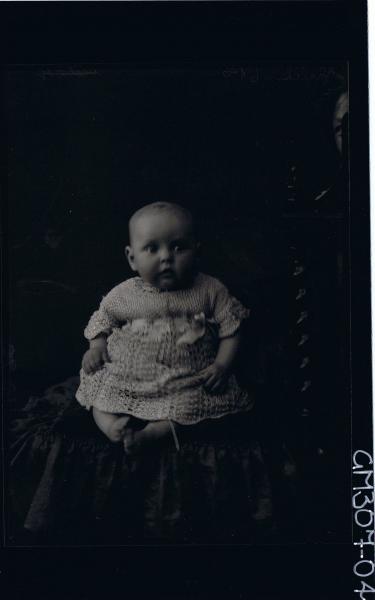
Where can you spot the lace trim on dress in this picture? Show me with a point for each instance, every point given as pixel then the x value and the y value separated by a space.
pixel 96 326
pixel 148 287
pixel 233 315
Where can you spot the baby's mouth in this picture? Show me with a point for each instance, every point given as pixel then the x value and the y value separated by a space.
pixel 167 273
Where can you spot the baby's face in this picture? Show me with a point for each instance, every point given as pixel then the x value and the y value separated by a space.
pixel 162 250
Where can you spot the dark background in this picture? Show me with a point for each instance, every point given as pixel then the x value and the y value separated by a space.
pixel 88 146
pixel 248 148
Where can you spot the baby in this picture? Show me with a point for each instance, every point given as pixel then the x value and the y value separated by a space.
pixel 162 343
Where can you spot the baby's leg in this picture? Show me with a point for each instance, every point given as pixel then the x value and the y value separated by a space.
pixel 113 426
pixel 152 433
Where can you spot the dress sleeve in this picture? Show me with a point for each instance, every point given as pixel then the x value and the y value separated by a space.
pixel 104 319
pixel 228 312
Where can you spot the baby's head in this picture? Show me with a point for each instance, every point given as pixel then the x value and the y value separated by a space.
pixel 162 245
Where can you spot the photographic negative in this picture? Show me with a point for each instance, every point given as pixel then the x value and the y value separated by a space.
pixel 236 175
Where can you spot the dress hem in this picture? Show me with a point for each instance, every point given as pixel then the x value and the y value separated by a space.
pixel 178 420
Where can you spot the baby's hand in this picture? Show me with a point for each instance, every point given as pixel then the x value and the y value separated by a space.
pixel 214 377
pixel 94 359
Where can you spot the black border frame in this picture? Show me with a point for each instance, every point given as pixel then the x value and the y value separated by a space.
pixel 192 33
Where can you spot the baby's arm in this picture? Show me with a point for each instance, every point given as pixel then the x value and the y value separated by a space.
pixel 214 375
pixel 96 355
pixel 99 327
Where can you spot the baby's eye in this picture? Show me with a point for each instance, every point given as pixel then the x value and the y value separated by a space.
pixel 178 247
pixel 151 248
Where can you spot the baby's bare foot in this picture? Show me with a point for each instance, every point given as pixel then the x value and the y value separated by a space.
pixel 135 441
pixel 117 428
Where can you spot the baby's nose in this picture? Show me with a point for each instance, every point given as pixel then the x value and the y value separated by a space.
pixel 165 254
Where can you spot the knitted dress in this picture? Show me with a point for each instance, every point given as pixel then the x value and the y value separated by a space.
pixel 158 342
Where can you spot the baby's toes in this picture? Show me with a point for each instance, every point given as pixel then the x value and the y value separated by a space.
pixel 129 442
pixel 117 430
pixel 115 436
pixel 121 423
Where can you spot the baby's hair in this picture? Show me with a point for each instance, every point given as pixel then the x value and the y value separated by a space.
pixel 160 207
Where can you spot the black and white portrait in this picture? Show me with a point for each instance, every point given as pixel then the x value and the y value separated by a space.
pixel 182 327
pixel 216 327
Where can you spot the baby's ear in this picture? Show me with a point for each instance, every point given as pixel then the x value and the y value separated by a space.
pixel 130 256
